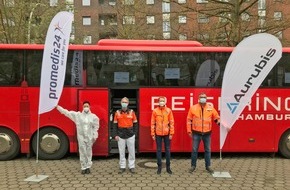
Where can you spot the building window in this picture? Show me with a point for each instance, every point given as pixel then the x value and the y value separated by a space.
pixel 181 1
pixel 262 4
pixel 277 15
pixel 53 3
pixel 9 3
pixel 88 40
pixel 150 19
pixel 86 2
pixel 203 18
pixel 9 21
pixel 279 35
pixel 112 2
pixel 102 22
pixel 151 37
pixel 262 22
pixel 202 36
pixel 150 2
pixel 262 13
pixel 86 20
pixel 224 17
pixel 166 17
pixel 128 19
pixel 166 35
pixel 201 1
pixel 182 37
pixel 128 2
pixel 165 7
pixel 245 17
pixel 182 19
pixel 166 26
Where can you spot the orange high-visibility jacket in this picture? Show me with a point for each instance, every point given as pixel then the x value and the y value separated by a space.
pixel 162 121
pixel 199 120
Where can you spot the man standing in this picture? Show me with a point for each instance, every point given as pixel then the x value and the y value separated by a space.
pixel 87 125
pixel 162 128
pixel 125 128
pixel 199 127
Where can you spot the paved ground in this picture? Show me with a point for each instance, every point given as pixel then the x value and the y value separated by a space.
pixel 248 171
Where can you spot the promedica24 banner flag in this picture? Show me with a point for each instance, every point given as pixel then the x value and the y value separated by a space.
pixel 247 67
pixel 54 61
pixel 53 70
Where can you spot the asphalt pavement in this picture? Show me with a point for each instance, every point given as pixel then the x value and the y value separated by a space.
pixel 247 171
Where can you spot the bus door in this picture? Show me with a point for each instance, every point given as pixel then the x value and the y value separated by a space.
pixel 98 99
pixel 115 97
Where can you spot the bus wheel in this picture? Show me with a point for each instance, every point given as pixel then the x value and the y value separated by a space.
pixel 284 144
pixel 53 144
pixel 9 144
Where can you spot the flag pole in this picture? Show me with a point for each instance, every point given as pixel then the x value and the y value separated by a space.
pixel 220 160
pixel 220 173
pixel 37 146
pixel 37 177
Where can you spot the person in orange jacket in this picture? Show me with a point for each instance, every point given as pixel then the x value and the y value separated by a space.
pixel 162 128
pixel 199 127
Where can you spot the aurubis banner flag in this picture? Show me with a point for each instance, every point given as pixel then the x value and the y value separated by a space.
pixel 54 61
pixel 249 64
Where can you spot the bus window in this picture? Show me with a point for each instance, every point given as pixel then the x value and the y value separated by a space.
pixel 282 71
pixel 33 67
pixel 122 69
pixel 169 69
pixel 280 75
pixel 10 68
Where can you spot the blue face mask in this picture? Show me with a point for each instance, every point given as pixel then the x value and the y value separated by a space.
pixel 202 100
pixel 124 105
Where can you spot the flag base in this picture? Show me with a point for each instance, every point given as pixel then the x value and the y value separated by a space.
pixel 37 178
pixel 222 174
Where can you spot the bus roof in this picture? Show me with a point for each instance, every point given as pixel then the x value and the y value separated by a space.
pixel 134 45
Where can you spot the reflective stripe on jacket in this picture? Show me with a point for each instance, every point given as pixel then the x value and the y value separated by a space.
pixel 125 119
pixel 199 120
pixel 162 121
pixel 125 124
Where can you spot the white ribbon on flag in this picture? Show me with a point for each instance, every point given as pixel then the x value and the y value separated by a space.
pixel 54 61
pixel 247 67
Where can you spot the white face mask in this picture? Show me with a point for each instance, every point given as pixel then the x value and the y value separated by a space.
pixel 86 109
pixel 202 100
pixel 124 105
pixel 161 103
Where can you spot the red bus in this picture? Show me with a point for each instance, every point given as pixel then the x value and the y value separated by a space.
pixel 140 70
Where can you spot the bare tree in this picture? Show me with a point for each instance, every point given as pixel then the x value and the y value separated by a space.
pixel 25 21
pixel 227 22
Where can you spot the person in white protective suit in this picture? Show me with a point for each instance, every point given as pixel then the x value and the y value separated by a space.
pixel 87 125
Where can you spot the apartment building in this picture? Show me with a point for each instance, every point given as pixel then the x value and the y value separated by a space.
pixel 200 20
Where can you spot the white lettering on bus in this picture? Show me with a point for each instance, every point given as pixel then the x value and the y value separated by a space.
pixel 268 117
pixel 176 103
pixel 180 103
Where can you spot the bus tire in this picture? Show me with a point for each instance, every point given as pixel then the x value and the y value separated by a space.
pixel 10 144
pixel 284 144
pixel 53 144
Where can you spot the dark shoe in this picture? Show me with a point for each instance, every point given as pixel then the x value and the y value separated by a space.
pixel 159 171
pixel 122 170
pixel 192 169
pixel 83 171
pixel 132 170
pixel 209 170
pixel 88 171
pixel 168 170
